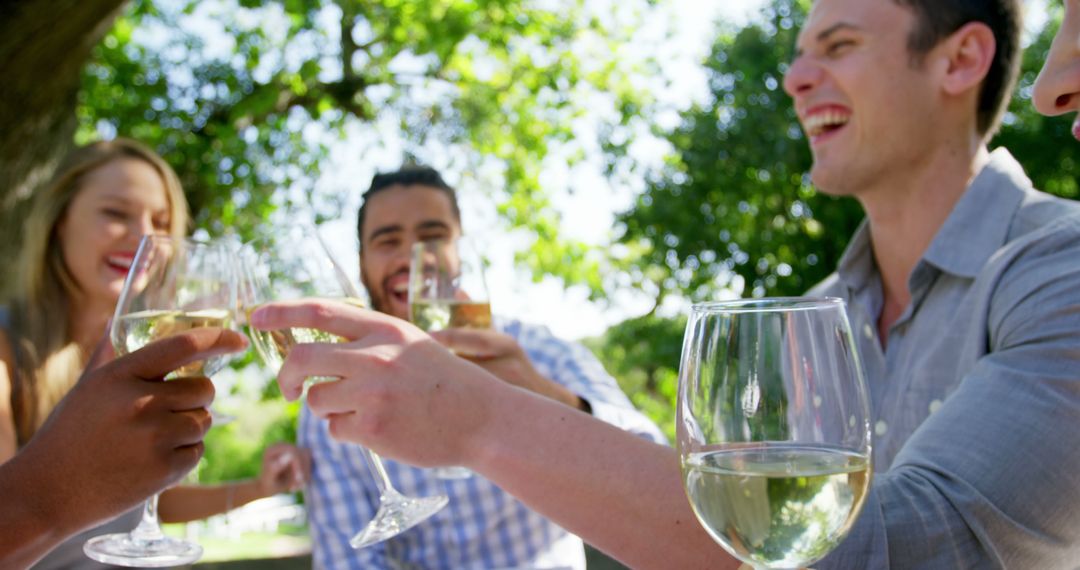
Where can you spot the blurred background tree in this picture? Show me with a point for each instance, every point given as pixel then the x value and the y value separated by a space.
pixel 245 98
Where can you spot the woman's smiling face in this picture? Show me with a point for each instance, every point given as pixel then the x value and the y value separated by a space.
pixel 116 205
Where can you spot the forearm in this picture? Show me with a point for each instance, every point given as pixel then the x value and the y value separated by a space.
pixel 618 492
pixel 186 503
pixel 28 532
pixel 559 393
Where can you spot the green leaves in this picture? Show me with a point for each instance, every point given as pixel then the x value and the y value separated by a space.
pixel 246 98
pixel 734 207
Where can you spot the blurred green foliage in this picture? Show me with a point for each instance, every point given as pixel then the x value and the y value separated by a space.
pixel 246 98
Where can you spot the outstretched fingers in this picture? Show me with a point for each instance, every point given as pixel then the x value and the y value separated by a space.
pixel 334 317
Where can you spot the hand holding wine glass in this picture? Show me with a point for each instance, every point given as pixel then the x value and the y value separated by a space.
pixel 773 427
pixel 298 265
pixel 174 285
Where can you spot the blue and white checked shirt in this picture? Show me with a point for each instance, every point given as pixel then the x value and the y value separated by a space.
pixel 483 527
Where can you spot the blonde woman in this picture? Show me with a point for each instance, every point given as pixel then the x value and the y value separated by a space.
pixel 79 241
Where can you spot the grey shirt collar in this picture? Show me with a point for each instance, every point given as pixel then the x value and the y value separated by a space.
pixel 977 227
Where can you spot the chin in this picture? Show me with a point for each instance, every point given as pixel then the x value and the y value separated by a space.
pixel 829 181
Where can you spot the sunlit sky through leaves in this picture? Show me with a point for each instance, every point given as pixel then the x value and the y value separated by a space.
pixel 587 211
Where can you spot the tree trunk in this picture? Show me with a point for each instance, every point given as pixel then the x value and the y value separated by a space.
pixel 44 45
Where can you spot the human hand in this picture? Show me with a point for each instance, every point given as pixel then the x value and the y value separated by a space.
pixel 122 433
pixel 503 357
pixel 285 468
pixel 401 394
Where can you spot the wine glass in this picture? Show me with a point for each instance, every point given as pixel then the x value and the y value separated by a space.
pixel 447 289
pixel 298 265
pixel 174 285
pixel 773 427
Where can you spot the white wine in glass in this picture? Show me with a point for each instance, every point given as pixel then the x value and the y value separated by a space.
pixel 448 289
pixel 773 427
pixel 295 265
pixel 174 285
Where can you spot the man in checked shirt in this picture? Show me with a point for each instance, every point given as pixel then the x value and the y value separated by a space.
pixel 483 527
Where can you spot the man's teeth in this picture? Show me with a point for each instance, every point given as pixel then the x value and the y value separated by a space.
pixel 400 288
pixel 819 122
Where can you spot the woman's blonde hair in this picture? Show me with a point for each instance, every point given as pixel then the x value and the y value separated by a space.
pixel 47 359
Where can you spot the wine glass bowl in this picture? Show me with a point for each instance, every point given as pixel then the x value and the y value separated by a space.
pixel 294 264
pixel 773 427
pixel 447 286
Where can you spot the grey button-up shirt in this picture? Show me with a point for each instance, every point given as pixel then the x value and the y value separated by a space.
pixel 976 398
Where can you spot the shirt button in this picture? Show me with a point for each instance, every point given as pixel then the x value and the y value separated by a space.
pixel 880 428
pixel 868 331
pixel 935 405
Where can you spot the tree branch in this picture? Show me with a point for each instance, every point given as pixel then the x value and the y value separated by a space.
pixel 348 45
pixel 44 45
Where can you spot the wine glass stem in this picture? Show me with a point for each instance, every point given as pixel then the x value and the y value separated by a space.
pixel 382 479
pixel 149 529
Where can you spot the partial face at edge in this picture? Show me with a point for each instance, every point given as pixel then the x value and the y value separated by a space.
pixel 1057 90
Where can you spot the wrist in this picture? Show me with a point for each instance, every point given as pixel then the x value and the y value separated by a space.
pixel 240 493
pixel 492 403
pixel 31 519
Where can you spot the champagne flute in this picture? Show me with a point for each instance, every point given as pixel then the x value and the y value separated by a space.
pixel 773 427
pixel 298 265
pixel 447 289
pixel 174 285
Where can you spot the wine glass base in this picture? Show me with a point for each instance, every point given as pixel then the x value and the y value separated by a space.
pixel 122 550
pixel 452 473
pixel 396 516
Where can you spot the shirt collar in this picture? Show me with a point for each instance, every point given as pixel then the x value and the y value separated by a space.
pixel 977 227
pixel 856 267
pixel 979 223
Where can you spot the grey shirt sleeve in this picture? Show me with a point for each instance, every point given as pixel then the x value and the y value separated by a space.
pixel 993 478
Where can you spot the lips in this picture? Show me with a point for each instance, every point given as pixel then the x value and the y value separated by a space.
pixel 120 262
pixel 1076 128
pixel 397 287
pixel 823 121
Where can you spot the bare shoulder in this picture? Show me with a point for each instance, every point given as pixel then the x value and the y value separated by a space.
pixel 8 441
pixel 7 358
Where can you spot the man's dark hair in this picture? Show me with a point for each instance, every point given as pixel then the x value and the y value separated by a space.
pixel 937 19
pixel 406 176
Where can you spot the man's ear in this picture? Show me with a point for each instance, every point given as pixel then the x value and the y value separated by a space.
pixel 967 56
